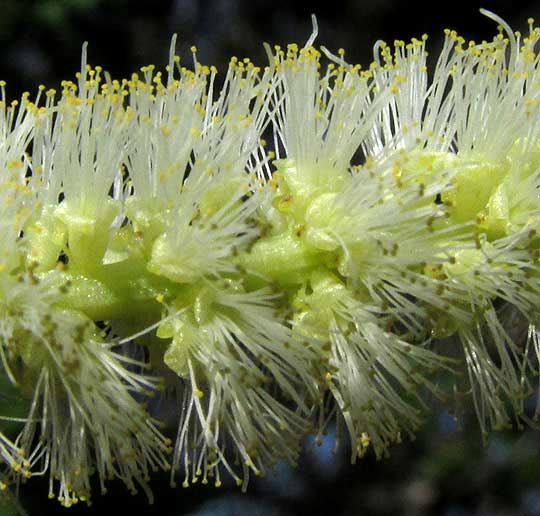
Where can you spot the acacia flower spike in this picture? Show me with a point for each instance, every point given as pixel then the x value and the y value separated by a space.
pixel 305 244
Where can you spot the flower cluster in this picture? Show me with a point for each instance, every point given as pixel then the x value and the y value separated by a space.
pixel 154 247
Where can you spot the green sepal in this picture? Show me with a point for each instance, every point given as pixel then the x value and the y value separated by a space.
pixel 88 231
pixel 165 261
pixel 315 303
pixel 473 186
pixel 223 188
pixel 283 258
pixel 47 238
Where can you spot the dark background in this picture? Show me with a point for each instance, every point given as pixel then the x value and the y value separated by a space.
pixel 40 41
pixel 445 471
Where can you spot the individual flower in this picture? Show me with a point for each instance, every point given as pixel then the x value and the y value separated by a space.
pixel 490 202
pixel 83 416
pixel 76 160
pixel 83 412
pixel 374 376
pixel 232 352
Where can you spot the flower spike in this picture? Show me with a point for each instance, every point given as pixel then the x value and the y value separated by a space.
pixel 294 246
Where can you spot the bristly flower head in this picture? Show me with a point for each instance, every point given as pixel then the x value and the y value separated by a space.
pixel 152 241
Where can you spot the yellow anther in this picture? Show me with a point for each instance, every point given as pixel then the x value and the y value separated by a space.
pixel 365 441
pixel 166 131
